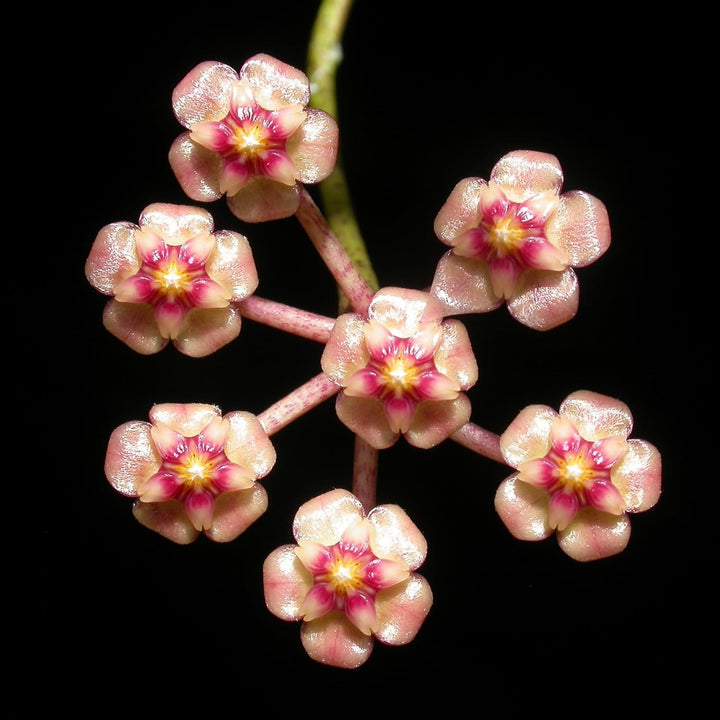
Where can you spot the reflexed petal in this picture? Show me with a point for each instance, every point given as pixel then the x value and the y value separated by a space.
pixel 597 416
pixel 262 200
pixel 595 535
pixel 236 511
pixel 313 148
pixel 235 175
pixel 206 293
pixel 199 506
pixel 232 264
pixel 562 509
pixel 196 168
pixel 435 420
pixel 581 226
pixel 188 419
pixel 522 174
pixel 168 519
pixel 454 356
pixel 346 350
pixel 285 583
pixel 314 556
pixel 204 93
pixel 402 609
pixel 528 435
pixel 207 330
pixel 360 609
pixel 460 211
pixel 333 640
pixel 131 457
pixel 364 383
pixel 401 310
pixel 366 417
pixel 275 84
pixel 230 477
pixel 385 573
pixel 539 472
pixel 399 412
pixel 638 476
pixel 326 517
pixel 463 285
pixel 170 318
pixel 135 289
pixel 319 600
pixel 248 444
pixel 606 497
pixel 545 299
pixel 159 487
pixel 433 385
pixel 215 136
pixel 394 536
pixel 169 443
pixel 113 256
pixel 176 224
pixel 523 509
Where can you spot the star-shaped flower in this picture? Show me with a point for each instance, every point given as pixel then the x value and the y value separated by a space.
pixel 350 578
pixel 172 278
pixel 516 239
pixel 251 137
pixel 192 470
pixel 403 369
pixel 577 475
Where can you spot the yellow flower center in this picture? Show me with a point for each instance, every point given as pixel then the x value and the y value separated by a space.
pixel 171 278
pixel 505 235
pixel 400 373
pixel 343 575
pixel 574 473
pixel 250 138
pixel 195 471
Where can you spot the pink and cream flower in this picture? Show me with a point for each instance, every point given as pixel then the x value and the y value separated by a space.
pixel 577 475
pixel 251 137
pixel 516 239
pixel 172 279
pixel 350 578
pixel 192 470
pixel 403 370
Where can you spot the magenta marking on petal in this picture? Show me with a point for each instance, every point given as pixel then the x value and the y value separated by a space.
pixel 136 289
pixel 433 385
pixel 160 487
pixel 206 293
pixel 360 610
pixel 319 600
pixel 604 496
pixel 399 411
pixel 170 317
pixel 540 472
pixel 366 382
pixel 199 507
pixel 562 509
pixel 170 444
pixel 385 573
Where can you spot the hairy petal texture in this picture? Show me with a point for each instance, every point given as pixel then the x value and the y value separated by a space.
pixel 402 609
pixel 577 473
pixel 581 226
pixel 523 174
pixel 324 518
pixel 333 640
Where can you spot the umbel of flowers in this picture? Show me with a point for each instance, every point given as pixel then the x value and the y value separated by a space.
pixel 397 363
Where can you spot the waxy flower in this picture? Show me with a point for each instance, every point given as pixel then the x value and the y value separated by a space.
pixel 192 470
pixel 516 239
pixel 577 475
pixel 250 137
pixel 350 578
pixel 403 370
pixel 172 279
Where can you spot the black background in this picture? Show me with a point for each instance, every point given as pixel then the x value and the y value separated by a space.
pixel 425 98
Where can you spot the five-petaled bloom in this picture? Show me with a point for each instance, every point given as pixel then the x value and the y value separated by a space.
pixel 350 578
pixel 250 137
pixel 516 239
pixel 172 279
pixel 192 470
pixel 577 474
pixel 403 370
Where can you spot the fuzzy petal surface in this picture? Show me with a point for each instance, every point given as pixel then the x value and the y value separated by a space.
pixel 394 536
pixel 402 609
pixel 597 416
pixel 286 582
pixel 135 325
pixel 188 419
pixel 345 352
pixel 638 476
pixel 204 93
pixel 207 330
pixel 248 444
pixel 528 435
pixel 459 213
pixel 366 417
pixel 131 457
pixel 113 256
pixel 581 226
pixel 454 356
pixel 313 148
pixel 463 285
pixel 333 640
pixel 234 512
pixel 275 84
pixel 594 535
pixel 545 299
pixel 402 310
pixel 178 224
pixel 434 422
pixel 523 509
pixel 326 517
pixel 262 200
pixel 521 174
pixel 168 519
pixel 196 168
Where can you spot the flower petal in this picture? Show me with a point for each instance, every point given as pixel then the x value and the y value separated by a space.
pixel 360 609
pixel 248 444
pixel 528 435
pixel 581 226
pixel 523 509
pixel 188 419
pixel 160 487
pixel 204 93
pixel 262 200
pixel 562 509
pixel 394 536
pixel 131 457
pixel 366 417
pixel 333 640
pixel 313 148
pixel 545 299
pixel 463 285
pixel 402 609
pixel 604 496
pixel 176 224
pixel 455 356
pixel 207 330
pixel 638 476
pixel 135 325
pixel 597 416
pixel 434 421
pixel 232 264
pixel 168 519
pixel 236 511
pixel 346 350
pixel 459 213
pixel 594 535
pixel 113 256
pixel 196 168
pixel 230 477
pixel 199 506
pixel 325 518
pixel 522 174
pixel 385 573
pixel 275 84
pixel 286 582
pixel 319 601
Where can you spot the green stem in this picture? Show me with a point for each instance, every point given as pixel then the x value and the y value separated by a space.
pixel 324 56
